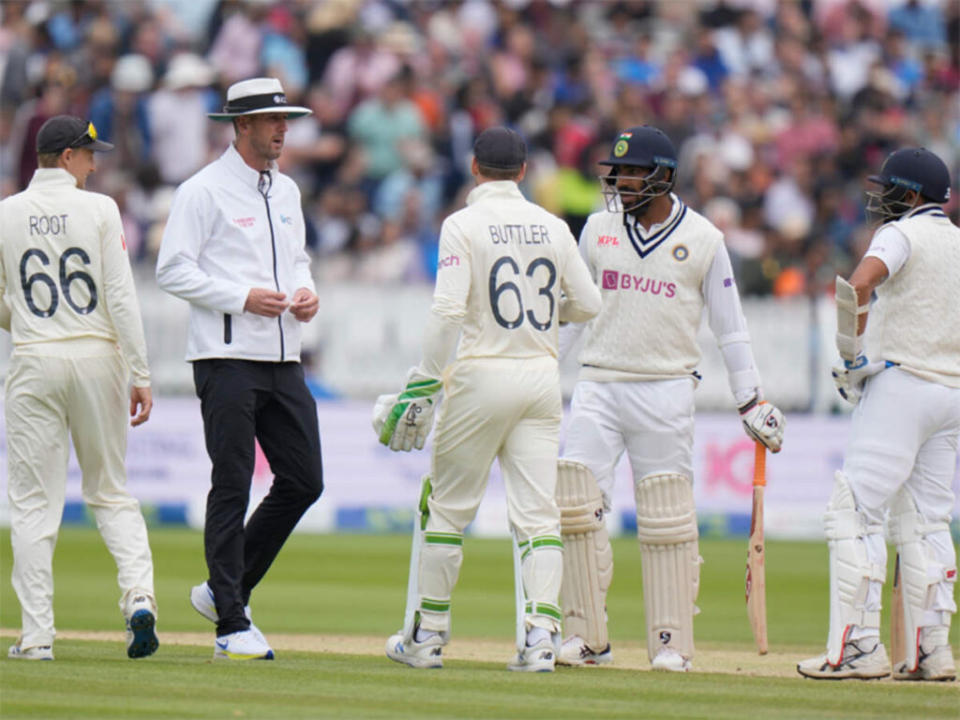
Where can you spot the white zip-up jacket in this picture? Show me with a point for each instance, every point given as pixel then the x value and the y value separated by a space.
pixel 222 239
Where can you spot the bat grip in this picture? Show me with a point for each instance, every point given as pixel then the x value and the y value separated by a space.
pixel 759 465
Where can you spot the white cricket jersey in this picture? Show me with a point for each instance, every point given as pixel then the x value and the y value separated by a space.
pixel 915 321
pixel 502 266
pixel 64 270
pixel 222 239
pixel 655 285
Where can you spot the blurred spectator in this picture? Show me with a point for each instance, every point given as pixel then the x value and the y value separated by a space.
pixel 178 122
pixel 922 23
pixel 382 123
pixel 119 112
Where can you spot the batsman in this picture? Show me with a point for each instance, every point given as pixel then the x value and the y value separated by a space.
pixel 660 264
pixel 902 451
pixel 509 273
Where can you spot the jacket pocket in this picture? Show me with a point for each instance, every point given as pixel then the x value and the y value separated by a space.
pixel 227 329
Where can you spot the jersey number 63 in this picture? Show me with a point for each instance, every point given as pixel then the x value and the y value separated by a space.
pixel 508 286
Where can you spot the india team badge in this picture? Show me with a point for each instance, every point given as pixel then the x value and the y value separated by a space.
pixel 680 253
pixel 620 149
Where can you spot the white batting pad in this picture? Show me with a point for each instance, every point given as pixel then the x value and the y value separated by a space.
pixel 667 530
pixel 850 569
pixel 926 582
pixel 848 315
pixel 587 555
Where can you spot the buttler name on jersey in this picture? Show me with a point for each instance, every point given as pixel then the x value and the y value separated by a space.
pixel 519 234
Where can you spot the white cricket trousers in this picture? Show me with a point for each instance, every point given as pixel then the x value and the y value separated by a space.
pixel 652 421
pixel 79 387
pixel 904 432
pixel 509 409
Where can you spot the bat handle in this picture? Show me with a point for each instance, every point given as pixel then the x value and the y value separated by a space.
pixel 759 465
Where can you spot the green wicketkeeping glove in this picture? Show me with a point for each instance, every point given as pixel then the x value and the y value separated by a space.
pixel 403 421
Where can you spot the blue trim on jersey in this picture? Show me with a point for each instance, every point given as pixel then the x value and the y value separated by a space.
pixel 935 209
pixel 645 246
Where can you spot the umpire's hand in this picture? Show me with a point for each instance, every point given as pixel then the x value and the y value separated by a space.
pixel 305 305
pixel 262 301
pixel 142 397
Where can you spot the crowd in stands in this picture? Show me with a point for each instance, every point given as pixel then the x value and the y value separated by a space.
pixel 779 110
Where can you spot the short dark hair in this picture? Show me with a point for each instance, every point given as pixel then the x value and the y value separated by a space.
pixel 492 173
pixel 48 159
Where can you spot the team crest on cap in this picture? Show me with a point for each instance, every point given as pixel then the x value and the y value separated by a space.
pixel 620 149
pixel 91 131
pixel 680 253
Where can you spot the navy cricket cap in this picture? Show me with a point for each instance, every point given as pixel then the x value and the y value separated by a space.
pixel 500 148
pixel 68 131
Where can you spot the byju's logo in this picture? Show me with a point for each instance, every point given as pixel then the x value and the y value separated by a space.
pixel 615 280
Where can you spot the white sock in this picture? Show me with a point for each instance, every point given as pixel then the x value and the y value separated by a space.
pixel 536 634
pixel 424 635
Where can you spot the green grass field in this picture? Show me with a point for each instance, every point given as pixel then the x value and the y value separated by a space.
pixel 354 585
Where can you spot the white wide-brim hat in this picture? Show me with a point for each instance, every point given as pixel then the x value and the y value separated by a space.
pixel 188 70
pixel 257 97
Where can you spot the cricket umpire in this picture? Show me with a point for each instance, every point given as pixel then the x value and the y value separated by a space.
pixel 69 302
pixel 233 248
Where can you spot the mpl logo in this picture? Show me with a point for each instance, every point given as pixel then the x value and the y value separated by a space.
pixel 609 240
pixel 611 279
pixel 448 261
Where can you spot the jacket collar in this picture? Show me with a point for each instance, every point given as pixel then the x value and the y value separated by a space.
pixel 236 164
pixel 52 177
pixel 492 189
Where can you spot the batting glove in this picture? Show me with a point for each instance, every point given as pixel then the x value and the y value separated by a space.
pixel 764 423
pixel 850 377
pixel 403 421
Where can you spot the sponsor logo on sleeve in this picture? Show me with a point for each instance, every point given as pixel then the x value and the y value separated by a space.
pixel 728 282
pixel 448 261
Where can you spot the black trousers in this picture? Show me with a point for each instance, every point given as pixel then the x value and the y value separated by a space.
pixel 241 400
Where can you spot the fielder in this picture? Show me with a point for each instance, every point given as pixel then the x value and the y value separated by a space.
pixel 508 273
pixel 71 307
pixel 659 264
pixel 902 451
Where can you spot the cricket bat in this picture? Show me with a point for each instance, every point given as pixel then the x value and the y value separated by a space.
pixel 898 648
pixel 756 579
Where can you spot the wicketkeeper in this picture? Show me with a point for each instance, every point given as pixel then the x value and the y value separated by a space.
pixel 509 273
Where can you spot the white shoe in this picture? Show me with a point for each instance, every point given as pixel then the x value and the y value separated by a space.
pixel 141 627
pixel 936 665
pixel 202 599
pixel 575 651
pixel 855 663
pixel 38 652
pixel 535 658
pixel 242 645
pixel 426 654
pixel 670 660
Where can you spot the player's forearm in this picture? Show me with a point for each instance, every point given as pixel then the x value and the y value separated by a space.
pixel 439 342
pixel 125 313
pixel 742 371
